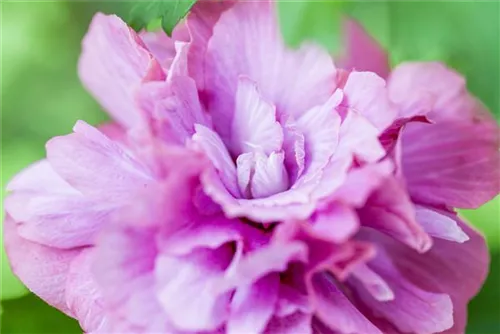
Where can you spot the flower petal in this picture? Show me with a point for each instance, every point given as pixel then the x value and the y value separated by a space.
pixel 335 310
pixel 363 51
pixel 452 163
pixel 254 126
pixel 114 62
pixel 270 176
pixel 90 161
pixel 257 50
pixel 390 210
pixel 252 307
pixel 440 224
pixel 366 93
pixel 42 269
pixel 216 151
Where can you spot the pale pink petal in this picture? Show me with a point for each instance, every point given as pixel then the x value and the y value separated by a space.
pixel 114 62
pixel 245 167
pixel 199 23
pixel 57 219
pixel 161 46
pixel 335 310
pixel 363 53
pixel 254 126
pixel 83 295
pixel 124 269
pixel 90 161
pixel 42 269
pixel 440 224
pixel 295 81
pixel 362 181
pixel 359 138
pixel 290 301
pixel 391 211
pixel 366 93
pixel 216 151
pixel 252 306
pixel 173 108
pixel 452 163
pixel 417 86
pixel 273 257
pixel 337 222
pixel 270 176
pixel 294 148
pixel 186 288
pixel 373 283
pixel 320 127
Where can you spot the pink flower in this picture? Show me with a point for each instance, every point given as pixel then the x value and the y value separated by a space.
pixel 248 188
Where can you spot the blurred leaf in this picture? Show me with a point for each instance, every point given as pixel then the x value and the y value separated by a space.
pixel 31 315
pixel 487 220
pixel 170 12
pixel 311 21
pixel 464 35
pixel 483 310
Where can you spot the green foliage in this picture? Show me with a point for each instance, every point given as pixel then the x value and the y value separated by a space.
pixel 170 12
pixel 31 315
pixel 316 21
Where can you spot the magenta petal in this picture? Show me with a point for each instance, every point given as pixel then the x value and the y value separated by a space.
pixel 363 51
pixel 295 323
pixel 42 269
pixel 334 309
pixel 413 309
pixel 252 306
pixel 373 283
pixel 391 211
pixel 452 163
pixel 114 62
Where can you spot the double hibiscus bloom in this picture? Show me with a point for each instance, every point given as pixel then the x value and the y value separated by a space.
pixel 245 187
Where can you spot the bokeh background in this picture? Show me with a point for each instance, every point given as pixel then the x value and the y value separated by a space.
pixel 41 97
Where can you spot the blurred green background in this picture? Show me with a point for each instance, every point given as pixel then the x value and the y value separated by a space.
pixel 41 97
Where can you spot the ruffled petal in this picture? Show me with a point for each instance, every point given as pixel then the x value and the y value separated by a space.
pixel 335 310
pixel 257 50
pixel 90 162
pixel 252 307
pixel 114 62
pixel 366 93
pixel 254 126
pixel 391 211
pixel 270 176
pixel 216 151
pixel 42 269
pixel 413 309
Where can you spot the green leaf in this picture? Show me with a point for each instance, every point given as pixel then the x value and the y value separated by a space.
pixel 31 315
pixel 169 12
pixel 311 21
